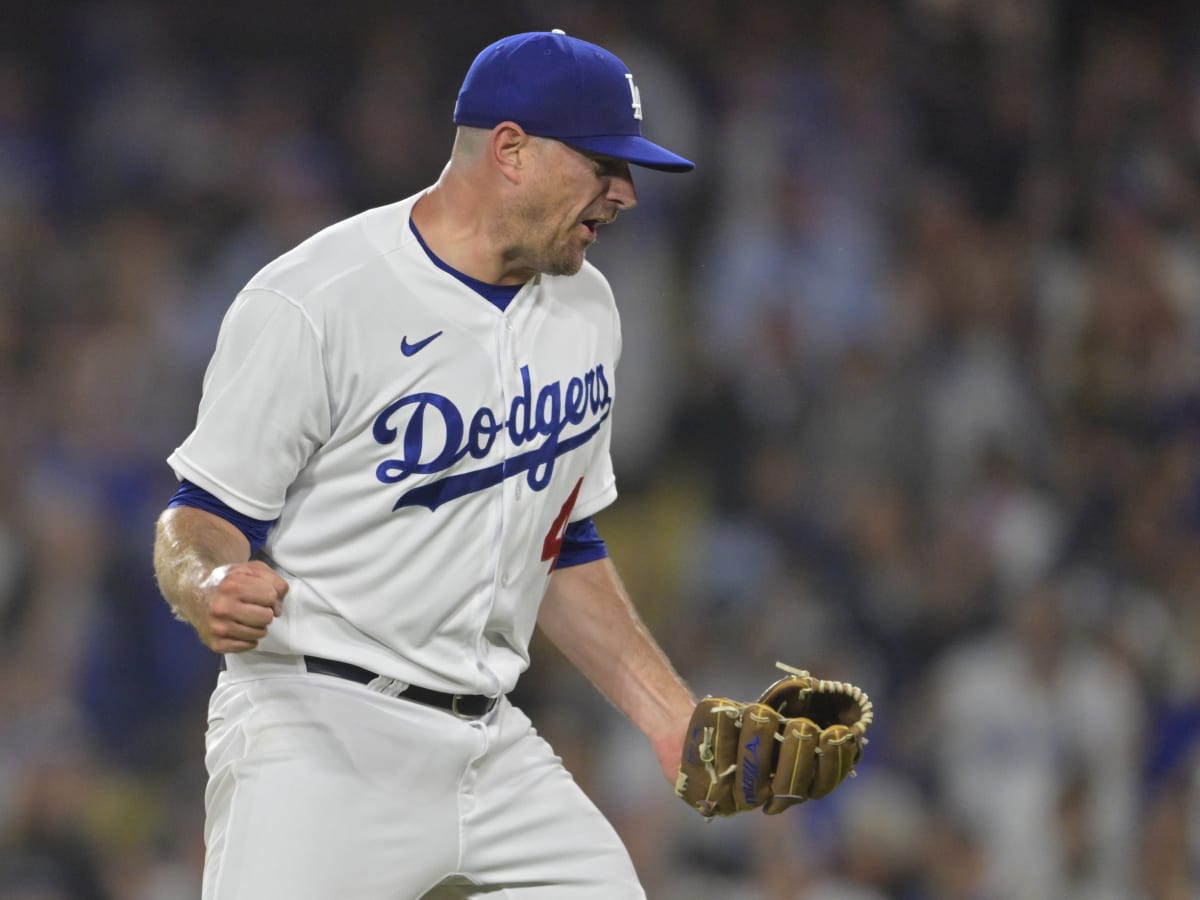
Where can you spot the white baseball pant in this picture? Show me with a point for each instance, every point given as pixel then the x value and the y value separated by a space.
pixel 321 788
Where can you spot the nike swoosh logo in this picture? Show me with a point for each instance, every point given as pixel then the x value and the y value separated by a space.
pixel 409 349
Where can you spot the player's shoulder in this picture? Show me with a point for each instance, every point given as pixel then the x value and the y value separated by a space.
pixel 352 247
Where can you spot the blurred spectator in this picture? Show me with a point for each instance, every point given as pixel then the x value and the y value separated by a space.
pixel 1035 738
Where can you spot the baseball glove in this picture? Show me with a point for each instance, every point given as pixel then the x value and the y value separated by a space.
pixel 798 742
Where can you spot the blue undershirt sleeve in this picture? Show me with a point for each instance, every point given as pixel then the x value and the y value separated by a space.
pixel 581 544
pixel 255 530
pixel 581 541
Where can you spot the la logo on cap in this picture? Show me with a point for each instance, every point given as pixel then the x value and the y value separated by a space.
pixel 635 95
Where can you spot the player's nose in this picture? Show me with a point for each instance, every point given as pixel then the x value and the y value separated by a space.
pixel 621 191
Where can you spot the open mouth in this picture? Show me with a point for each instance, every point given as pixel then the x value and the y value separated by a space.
pixel 593 225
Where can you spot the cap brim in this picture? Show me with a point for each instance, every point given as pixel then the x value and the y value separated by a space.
pixel 635 150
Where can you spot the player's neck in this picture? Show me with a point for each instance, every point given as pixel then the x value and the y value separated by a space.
pixel 453 223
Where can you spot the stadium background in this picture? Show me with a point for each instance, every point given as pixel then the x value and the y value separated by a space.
pixel 910 396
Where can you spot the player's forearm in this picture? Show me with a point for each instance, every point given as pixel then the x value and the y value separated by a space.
pixel 189 545
pixel 589 617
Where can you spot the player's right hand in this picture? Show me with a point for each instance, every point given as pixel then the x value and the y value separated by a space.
pixel 241 602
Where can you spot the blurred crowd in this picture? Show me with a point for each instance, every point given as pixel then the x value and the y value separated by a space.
pixel 910 397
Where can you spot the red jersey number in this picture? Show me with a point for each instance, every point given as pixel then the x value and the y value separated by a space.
pixel 552 545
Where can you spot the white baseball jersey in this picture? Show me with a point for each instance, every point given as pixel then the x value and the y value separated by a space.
pixel 422 450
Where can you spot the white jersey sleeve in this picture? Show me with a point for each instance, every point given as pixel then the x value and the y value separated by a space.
pixel 265 406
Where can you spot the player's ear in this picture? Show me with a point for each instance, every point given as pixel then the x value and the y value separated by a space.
pixel 510 149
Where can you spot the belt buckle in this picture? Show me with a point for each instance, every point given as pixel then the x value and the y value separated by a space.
pixel 454 707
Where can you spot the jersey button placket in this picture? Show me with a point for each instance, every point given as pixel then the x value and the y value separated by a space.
pixel 511 342
pixel 507 357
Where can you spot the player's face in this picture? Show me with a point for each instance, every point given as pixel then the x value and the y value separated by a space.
pixel 575 193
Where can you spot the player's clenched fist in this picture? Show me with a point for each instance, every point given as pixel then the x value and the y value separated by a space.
pixel 239 602
pixel 203 569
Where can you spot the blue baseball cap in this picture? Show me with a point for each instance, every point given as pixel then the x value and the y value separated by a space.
pixel 560 87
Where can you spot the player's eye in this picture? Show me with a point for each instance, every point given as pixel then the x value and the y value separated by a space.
pixel 607 167
pixel 604 166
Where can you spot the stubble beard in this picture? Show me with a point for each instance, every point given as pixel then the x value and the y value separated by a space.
pixel 539 248
pixel 564 262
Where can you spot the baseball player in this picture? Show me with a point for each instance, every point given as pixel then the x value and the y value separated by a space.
pixel 403 436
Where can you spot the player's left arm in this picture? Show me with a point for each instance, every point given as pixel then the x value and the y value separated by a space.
pixel 588 615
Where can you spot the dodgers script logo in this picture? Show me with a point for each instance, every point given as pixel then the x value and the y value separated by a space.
pixel 555 407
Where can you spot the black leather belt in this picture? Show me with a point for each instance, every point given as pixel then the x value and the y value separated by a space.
pixel 469 706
